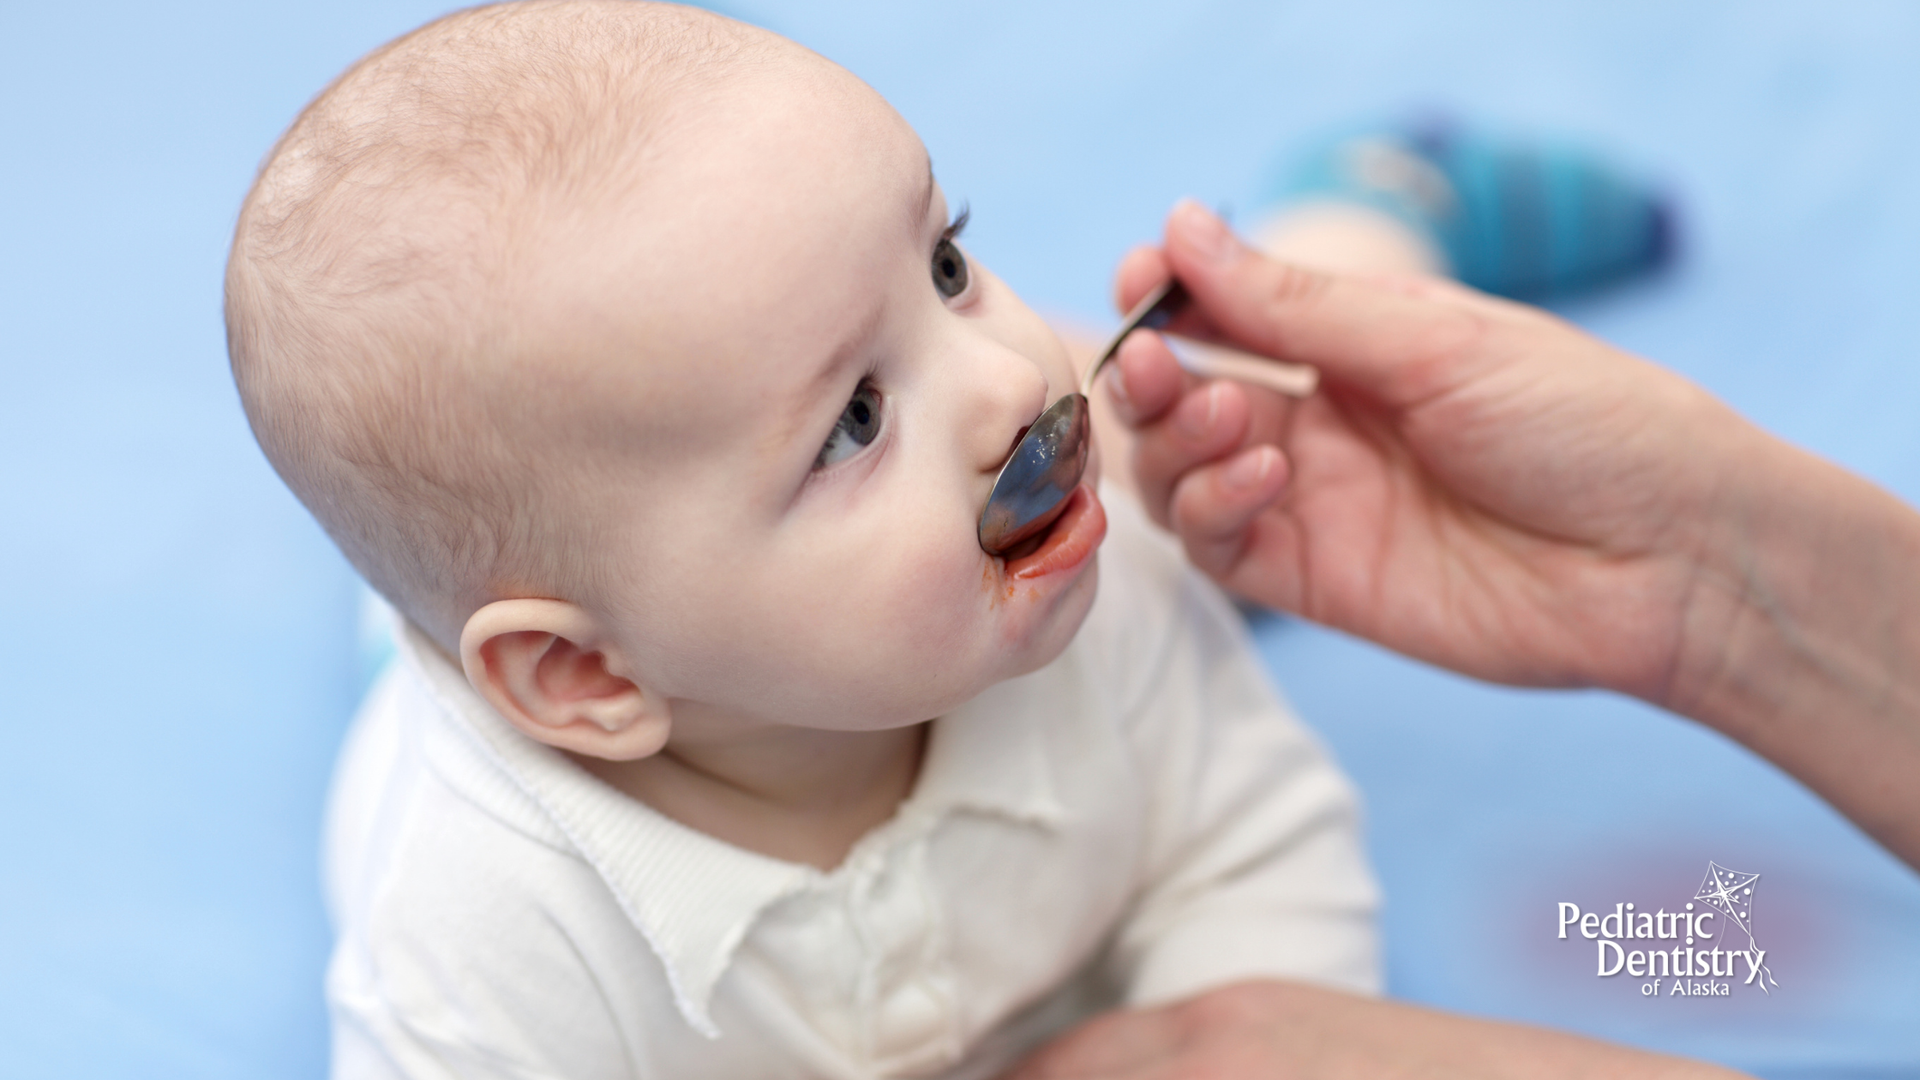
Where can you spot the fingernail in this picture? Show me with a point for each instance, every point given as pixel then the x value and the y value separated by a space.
pixel 1197 413
pixel 1206 233
pixel 1116 381
pixel 1247 470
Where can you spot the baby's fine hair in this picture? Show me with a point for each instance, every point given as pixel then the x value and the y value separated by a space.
pixel 371 287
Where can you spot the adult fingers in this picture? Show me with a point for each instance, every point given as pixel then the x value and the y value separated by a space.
pixel 1399 346
pixel 1214 508
pixel 1208 423
pixel 1141 270
pixel 1144 379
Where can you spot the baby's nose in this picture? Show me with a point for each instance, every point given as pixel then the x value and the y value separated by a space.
pixel 1009 393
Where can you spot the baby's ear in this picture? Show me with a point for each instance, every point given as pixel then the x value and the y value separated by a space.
pixel 546 666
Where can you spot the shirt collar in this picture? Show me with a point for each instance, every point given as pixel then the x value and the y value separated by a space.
pixel 989 756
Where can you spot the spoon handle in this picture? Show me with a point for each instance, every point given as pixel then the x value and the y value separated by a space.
pixel 1213 362
pixel 1155 310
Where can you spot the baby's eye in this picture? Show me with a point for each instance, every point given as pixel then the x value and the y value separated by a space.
pixel 949 268
pixel 859 425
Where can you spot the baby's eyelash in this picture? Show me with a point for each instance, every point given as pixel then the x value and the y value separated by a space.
pixel 959 223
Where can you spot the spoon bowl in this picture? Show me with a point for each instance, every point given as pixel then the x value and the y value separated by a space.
pixel 1046 465
pixel 1032 489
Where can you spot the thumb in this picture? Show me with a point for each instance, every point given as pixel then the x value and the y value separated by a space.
pixel 1398 346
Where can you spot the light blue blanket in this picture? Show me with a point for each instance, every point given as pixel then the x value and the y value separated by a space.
pixel 178 646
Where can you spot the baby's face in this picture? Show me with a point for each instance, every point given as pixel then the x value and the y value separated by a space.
pixel 793 394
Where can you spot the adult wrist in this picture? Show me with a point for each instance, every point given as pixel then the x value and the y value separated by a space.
pixel 1802 639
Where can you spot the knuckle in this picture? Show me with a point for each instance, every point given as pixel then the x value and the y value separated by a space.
pixel 1437 348
pixel 1286 290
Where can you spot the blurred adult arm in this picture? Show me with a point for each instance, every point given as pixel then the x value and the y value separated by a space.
pixel 1267 1030
pixel 1481 485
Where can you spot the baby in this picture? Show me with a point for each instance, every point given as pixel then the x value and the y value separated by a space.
pixel 630 353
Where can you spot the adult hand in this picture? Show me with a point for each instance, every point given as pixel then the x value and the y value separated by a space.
pixel 1477 483
pixel 1286 1031
pixel 1485 487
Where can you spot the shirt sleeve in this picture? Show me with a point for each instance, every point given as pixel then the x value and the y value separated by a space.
pixel 1255 866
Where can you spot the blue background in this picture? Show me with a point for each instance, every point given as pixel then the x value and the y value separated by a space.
pixel 178 646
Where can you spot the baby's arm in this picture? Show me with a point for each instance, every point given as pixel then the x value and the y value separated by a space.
pixel 1255 866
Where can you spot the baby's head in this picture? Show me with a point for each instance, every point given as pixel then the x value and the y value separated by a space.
pixel 625 349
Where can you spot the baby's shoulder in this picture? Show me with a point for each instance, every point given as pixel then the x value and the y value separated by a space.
pixel 419 805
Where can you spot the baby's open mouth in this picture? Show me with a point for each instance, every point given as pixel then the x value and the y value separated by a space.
pixel 1064 545
pixel 1031 544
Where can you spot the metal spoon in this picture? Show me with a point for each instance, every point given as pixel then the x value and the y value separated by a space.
pixel 1032 488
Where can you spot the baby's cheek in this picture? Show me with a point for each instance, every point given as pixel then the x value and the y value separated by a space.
pixel 1028 333
pixel 949 598
pixel 1058 359
pixel 934 647
pixel 889 595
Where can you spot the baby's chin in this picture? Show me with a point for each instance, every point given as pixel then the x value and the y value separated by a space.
pixel 1044 593
pixel 1044 633
pixel 1069 613
pixel 1042 645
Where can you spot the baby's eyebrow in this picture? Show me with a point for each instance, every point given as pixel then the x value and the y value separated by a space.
pixel 847 352
pixel 926 200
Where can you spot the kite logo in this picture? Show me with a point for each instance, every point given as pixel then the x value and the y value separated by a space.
pixel 1730 892
pixel 1723 902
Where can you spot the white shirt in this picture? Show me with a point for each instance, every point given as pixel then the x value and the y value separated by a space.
pixel 1140 820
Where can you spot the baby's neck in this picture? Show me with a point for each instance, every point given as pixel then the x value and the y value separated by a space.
pixel 797 794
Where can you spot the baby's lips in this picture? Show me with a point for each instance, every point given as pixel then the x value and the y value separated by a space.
pixel 1070 542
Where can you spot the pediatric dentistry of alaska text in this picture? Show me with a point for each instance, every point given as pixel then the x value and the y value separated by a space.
pixel 1679 962
pixel 1723 894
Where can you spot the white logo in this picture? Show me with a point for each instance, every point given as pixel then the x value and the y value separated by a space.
pixel 1695 966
